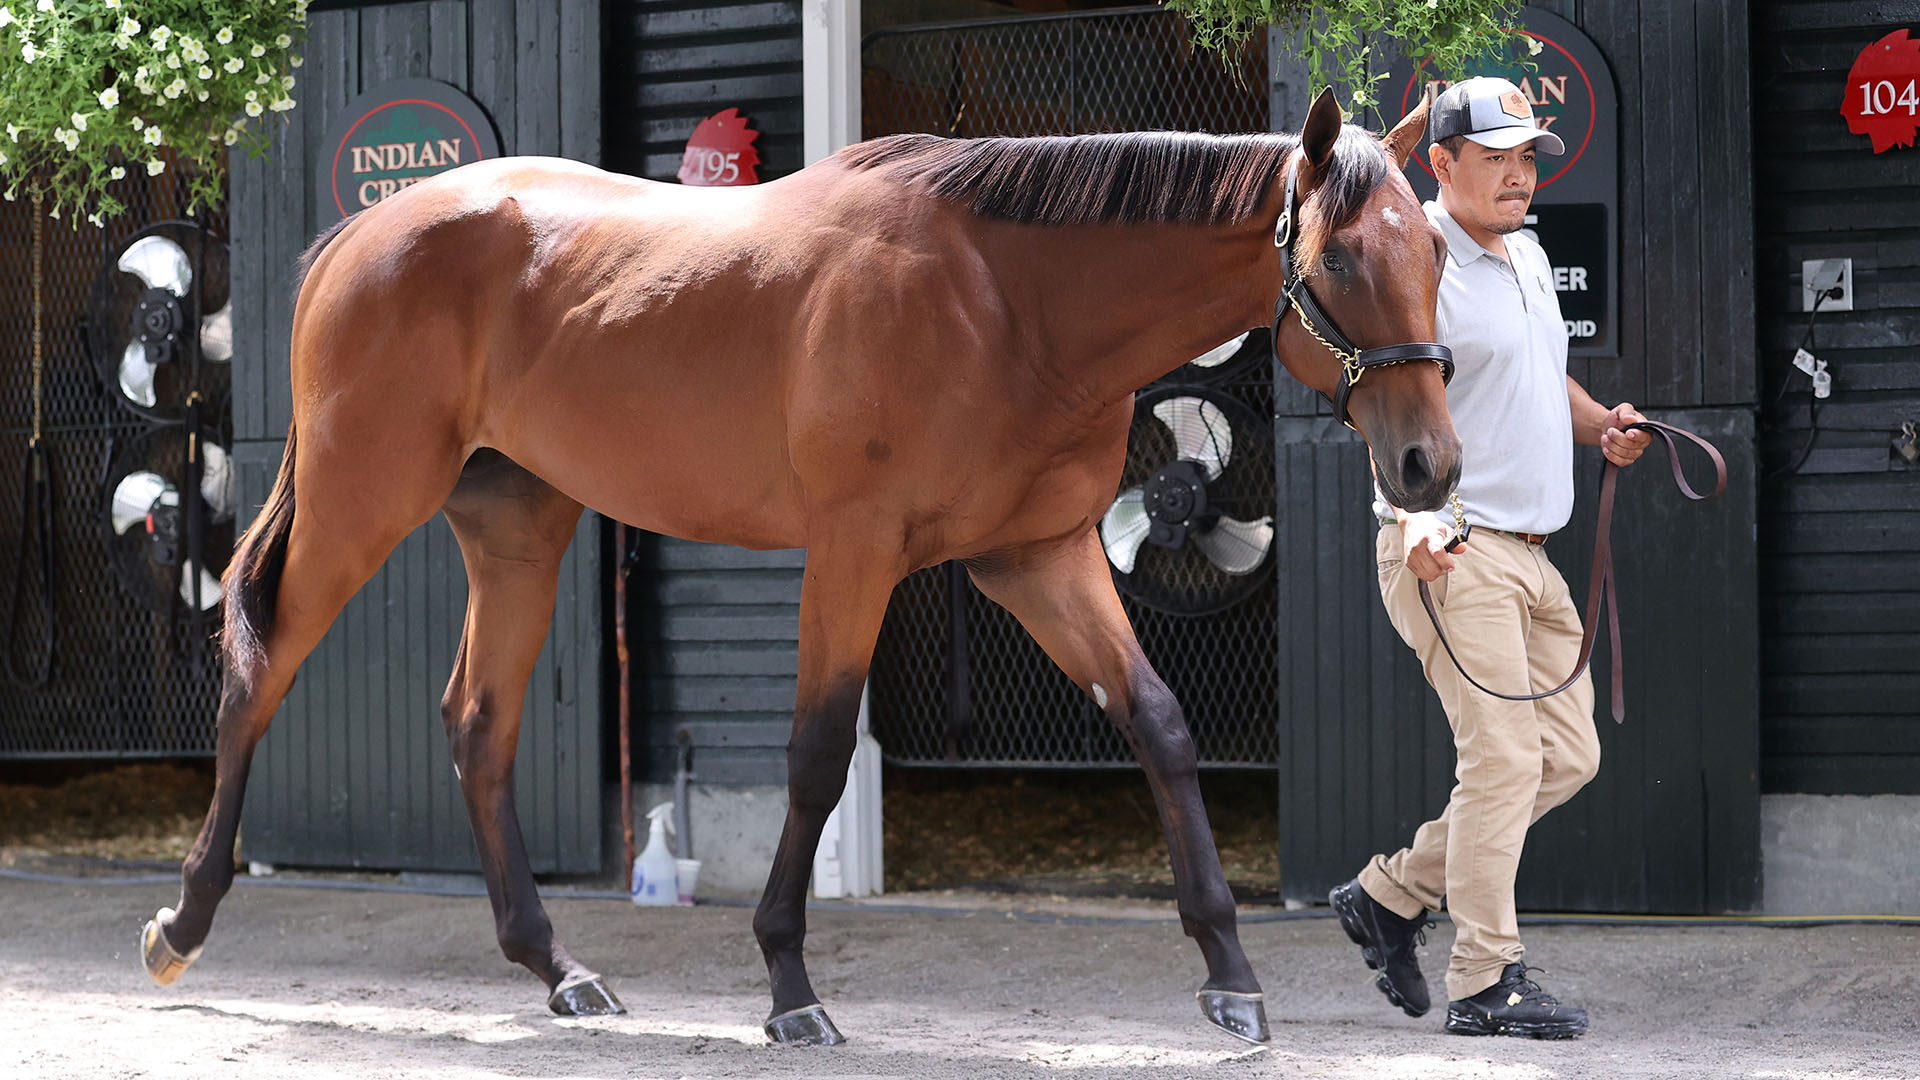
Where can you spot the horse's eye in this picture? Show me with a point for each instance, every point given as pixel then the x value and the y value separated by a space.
pixel 1333 263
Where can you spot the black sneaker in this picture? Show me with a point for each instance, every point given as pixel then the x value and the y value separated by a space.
pixel 1516 1006
pixel 1387 942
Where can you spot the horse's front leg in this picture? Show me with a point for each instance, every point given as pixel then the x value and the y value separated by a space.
pixel 1065 599
pixel 843 599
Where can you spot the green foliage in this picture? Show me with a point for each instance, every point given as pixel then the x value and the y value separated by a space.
pixel 1452 36
pixel 93 89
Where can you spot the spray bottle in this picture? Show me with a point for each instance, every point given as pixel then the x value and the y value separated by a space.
pixel 653 870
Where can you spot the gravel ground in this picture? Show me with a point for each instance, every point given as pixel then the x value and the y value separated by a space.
pixel 300 979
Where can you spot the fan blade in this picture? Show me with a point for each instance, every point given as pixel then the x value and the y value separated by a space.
pixel 159 262
pixel 1220 354
pixel 1236 547
pixel 136 375
pixel 209 585
pixel 1200 431
pixel 134 497
pixel 216 335
pixel 1124 529
pixel 216 481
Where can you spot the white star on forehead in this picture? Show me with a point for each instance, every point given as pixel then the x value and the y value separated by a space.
pixel 1392 216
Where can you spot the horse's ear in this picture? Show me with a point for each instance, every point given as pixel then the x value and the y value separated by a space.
pixel 1322 128
pixel 1405 135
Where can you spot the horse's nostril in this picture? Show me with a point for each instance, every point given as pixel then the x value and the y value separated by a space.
pixel 1416 469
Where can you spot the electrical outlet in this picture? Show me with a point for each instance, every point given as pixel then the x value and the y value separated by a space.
pixel 1818 275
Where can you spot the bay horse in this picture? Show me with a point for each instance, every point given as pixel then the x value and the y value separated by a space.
pixel 916 350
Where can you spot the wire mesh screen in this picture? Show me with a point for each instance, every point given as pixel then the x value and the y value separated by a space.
pixel 1121 69
pixel 125 681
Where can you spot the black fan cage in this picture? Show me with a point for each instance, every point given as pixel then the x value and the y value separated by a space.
pixel 957 681
pixel 126 682
pixel 1117 69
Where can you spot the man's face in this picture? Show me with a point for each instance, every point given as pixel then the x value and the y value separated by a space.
pixel 1492 188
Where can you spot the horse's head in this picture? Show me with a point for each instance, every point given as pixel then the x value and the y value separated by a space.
pixel 1360 271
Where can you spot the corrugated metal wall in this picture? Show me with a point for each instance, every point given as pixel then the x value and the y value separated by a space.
pixel 1839 538
pixel 715 628
pixel 355 770
pixel 1672 824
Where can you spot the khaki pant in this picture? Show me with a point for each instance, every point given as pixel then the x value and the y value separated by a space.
pixel 1513 624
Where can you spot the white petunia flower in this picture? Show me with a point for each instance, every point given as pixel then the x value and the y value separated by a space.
pixel 173 61
pixel 113 4
pixel 286 81
pixel 253 95
pixel 73 141
pixel 129 25
pixel 110 97
pixel 122 42
pixel 282 105
pixel 283 40
pixel 160 36
pixel 258 50
pixel 54 213
pixel 296 61
pixel 1533 46
pixel 204 72
pixel 118 173
pixel 233 65
pixel 3 157
pixel 29 53
pixel 200 94
pixel 225 36
pixel 253 108
pixel 153 136
pixel 6 16
pixel 138 123
pixel 230 137
pixel 262 79
pixel 176 88
pixel 156 167
pixel 13 133
pixel 94 220
pixel 80 121
pixel 44 5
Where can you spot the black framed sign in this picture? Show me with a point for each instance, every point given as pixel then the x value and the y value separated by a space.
pixel 396 135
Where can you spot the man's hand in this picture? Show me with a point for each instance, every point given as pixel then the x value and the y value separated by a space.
pixel 1425 536
pixel 1623 447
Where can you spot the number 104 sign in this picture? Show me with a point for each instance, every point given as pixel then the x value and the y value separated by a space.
pixel 1883 92
pixel 720 152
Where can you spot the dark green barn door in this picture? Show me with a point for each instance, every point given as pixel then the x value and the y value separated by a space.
pixel 355 771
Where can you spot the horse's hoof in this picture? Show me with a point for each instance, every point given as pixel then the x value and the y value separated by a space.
pixel 1244 1016
pixel 163 964
pixel 804 1027
pixel 585 996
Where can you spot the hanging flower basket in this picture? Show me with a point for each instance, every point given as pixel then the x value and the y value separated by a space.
pixel 1450 35
pixel 91 90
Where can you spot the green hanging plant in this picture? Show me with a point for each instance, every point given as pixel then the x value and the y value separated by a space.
pixel 1452 36
pixel 91 90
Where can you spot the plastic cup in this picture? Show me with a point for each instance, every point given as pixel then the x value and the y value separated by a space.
pixel 687 871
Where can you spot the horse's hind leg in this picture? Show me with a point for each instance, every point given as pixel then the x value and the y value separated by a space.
pixel 1065 599
pixel 294 570
pixel 842 601
pixel 513 530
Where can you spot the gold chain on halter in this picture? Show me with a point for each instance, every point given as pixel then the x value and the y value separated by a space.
pixel 1349 361
pixel 1459 515
pixel 39 361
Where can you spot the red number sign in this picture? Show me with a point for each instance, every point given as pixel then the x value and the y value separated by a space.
pixel 1883 92
pixel 720 152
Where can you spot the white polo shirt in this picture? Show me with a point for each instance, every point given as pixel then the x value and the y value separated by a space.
pixel 1508 396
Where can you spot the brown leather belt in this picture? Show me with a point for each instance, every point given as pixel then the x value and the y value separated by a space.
pixel 1535 539
pixel 1602 577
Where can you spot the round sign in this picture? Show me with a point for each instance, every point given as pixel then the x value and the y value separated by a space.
pixel 1561 93
pixel 396 135
pixel 1883 92
pixel 720 152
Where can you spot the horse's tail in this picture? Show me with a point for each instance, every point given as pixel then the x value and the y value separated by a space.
pixel 252 578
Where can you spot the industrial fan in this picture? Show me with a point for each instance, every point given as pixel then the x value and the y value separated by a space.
pixel 159 323
pixel 1239 360
pixel 1192 528
pixel 169 520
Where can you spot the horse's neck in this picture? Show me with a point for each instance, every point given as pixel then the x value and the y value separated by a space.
pixel 1118 306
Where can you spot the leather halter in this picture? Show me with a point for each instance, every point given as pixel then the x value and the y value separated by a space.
pixel 1296 296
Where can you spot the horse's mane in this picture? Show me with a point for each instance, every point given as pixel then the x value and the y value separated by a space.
pixel 1129 177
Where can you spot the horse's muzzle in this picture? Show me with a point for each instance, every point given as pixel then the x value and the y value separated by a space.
pixel 1420 475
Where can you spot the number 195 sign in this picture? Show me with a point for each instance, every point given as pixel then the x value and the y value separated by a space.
pixel 720 152
pixel 1883 92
